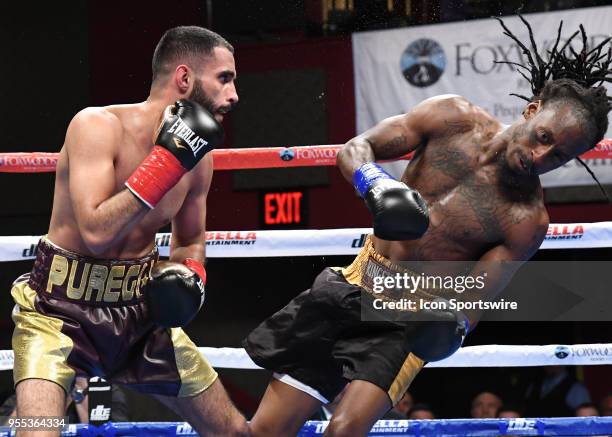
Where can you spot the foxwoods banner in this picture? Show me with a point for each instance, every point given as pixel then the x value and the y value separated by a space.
pixel 396 69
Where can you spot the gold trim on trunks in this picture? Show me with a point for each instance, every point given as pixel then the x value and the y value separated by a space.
pixel 411 367
pixel 195 371
pixel 369 264
pixel 41 348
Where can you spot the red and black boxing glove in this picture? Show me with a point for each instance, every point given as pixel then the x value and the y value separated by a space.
pixel 175 292
pixel 186 133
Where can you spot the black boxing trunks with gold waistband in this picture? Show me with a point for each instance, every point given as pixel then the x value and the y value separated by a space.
pixel 66 275
pixel 370 270
pixel 321 340
pixel 76 315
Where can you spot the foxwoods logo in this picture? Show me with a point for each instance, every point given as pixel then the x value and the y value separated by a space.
pixel 286 154
pixel 593 353
pixel 423 62
pixel 562 352
pixel 590 352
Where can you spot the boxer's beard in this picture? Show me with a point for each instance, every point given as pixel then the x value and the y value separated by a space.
pixel 199 96
pixel 508 177
pixel 505 173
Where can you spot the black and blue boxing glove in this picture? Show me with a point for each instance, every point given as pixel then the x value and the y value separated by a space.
pixel 399 212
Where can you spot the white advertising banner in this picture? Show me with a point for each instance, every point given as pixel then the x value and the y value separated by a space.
pixel 396 69
pixel 316 242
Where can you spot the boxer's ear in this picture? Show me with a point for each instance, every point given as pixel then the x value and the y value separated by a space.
pixel 182 78
pixel 532 109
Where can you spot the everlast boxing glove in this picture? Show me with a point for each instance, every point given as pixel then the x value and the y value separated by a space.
pixel 400 213
pixel 437 334
pixel 187 132
pixel 175 292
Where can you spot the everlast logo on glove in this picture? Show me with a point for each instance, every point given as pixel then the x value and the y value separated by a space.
pixel 180 129
pixel 170 160
pixel 200 285
pixel 377 191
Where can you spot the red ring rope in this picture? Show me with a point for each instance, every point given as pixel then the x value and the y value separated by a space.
pixel 240 159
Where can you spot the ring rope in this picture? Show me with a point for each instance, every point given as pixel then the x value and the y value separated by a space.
pixel 300 243
pixel 241 159
pixel 542 426
pixel 547 426
pixel 492 355
pixel 224 159
pixel 316 242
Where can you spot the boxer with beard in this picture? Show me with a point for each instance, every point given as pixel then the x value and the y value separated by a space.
pixel 97 302
pixel 472 194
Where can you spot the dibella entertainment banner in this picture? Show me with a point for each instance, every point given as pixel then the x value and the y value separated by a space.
pixel 396 69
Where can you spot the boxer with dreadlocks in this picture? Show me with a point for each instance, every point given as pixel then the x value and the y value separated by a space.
pixel 578 77
pixel 471 193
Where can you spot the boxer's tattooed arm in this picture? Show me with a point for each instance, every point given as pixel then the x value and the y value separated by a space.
pixel 455 127
pixel 536 240
pixel 391 138
pixel 389 148
pixel 527 227
pixel 518 215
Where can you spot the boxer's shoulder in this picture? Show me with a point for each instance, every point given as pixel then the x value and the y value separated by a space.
pixel 446 99
pixel 94 126
pixel 447 114
pixel 104 115
pixel 459 109
pixel 455 104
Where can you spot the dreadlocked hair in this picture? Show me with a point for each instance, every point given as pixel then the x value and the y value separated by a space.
pixel 569 76
pixel 593 104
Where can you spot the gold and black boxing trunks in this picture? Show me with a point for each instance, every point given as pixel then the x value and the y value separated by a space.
pixel 83 316
pixel 320 340
pixel 370 265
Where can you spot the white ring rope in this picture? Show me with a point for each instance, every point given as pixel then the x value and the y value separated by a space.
pixel 471 356
pixel 348 242
pixel 317 242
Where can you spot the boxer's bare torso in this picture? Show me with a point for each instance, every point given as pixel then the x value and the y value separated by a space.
pixel 474 207
pixel 130 129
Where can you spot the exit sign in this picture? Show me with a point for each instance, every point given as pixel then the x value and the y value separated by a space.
pixel 283 209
